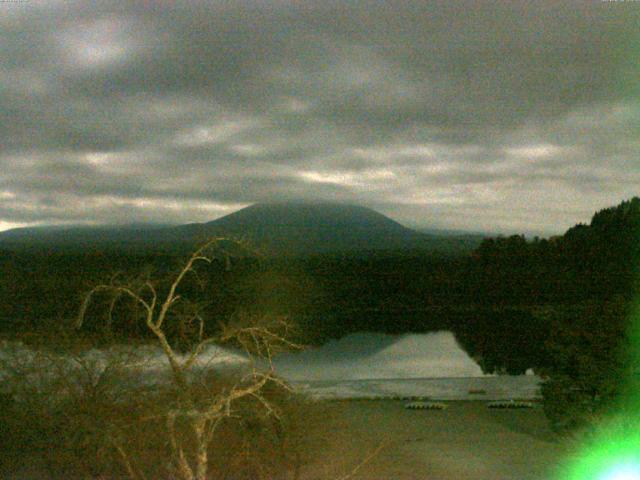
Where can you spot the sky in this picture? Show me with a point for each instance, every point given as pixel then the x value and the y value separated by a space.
pixel 519 116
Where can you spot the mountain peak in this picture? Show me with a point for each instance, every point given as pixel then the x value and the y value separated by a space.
pixel 296 227
pixel 310 216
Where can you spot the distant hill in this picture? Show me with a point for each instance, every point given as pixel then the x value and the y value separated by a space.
pixel 82 236
pixel 319 227
pixel 442 232
pixel 280 228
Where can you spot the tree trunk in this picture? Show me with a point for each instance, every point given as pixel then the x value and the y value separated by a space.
pixel 202 455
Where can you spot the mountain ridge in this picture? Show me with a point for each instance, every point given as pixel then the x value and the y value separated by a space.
pixel 279 228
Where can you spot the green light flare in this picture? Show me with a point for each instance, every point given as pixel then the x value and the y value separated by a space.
pixel 612 451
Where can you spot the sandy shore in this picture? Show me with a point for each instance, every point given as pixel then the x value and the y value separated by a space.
pixel 463 442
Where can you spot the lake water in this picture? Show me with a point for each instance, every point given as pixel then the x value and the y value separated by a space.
pixel 362 356
pixel 489 388
pixel 372 365
pixel 362 365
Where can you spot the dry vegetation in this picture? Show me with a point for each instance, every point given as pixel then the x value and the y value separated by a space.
pixel 84 418
pixel 69 412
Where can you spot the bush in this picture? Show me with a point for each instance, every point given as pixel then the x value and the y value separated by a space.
pixel 586 367
pixel 90 418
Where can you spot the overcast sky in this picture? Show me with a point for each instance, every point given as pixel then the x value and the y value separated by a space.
pixel 492 116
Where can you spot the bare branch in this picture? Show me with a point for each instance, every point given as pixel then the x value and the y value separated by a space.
pixel 107 288
pixel 196 352
pixel 261 339
pixel 184 470
pixel 127 462
pixel 268 407
pixel 223 403
pixel 364 461
pixel 154 297
pixel 112 306
pixel 196 256
pixel 86 301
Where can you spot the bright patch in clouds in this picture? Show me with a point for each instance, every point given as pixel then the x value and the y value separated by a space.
pixel 294 105
pixel 9 225
pixel 434 168
pixel 536 151
pixel 436 196
pixel 168 204
pixel 390 153
pixel 347 179
pixel 248 150
pixel 6 195
pixel 417 151
pixel 214 134
pixel 98 43
pixel 98 158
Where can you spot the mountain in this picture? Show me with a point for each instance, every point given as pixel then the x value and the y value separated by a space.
pixel 303 227
pixel 281 228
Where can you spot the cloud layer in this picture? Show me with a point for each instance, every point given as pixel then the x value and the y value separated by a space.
pixel 493 116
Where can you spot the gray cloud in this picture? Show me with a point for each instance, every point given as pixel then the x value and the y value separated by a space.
pixel 488 116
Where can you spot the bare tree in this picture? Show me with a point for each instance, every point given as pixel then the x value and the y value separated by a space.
pixel 260 338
